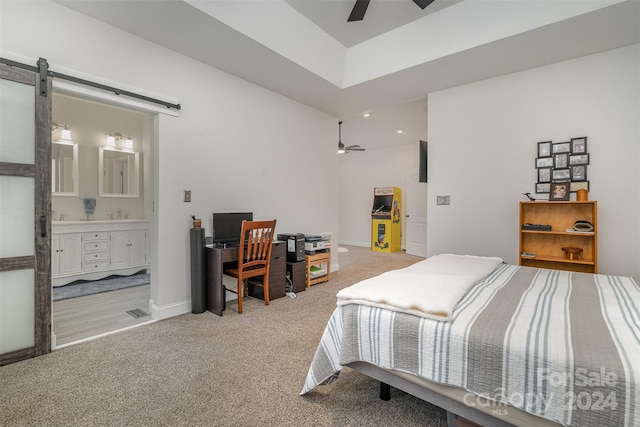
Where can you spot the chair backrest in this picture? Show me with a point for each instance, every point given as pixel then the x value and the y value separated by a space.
pixel 255 243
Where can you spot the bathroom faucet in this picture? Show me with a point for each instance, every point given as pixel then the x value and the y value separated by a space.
pixel 126 216
pixel 110 217
pixel 119 214
pixel 61 217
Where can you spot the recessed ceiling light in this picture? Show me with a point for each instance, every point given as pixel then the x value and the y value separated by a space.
pixel 400 131
pixel 365 115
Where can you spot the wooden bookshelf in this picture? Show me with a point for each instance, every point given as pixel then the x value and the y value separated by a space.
pixel 547 245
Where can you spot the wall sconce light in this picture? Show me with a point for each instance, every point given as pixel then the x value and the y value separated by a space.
pixel 116 139
pixel 111 139
pixel 128 142
pixel 65 132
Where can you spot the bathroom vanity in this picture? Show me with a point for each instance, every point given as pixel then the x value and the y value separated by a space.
pixel 93 250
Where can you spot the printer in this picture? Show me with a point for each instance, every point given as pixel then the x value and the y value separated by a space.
pixel 314 243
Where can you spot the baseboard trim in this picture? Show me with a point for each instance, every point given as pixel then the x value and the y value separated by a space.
pixel 170 310
pixel 352 243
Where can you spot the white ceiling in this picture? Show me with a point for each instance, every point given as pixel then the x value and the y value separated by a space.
pixel 305 49
pixel 381 16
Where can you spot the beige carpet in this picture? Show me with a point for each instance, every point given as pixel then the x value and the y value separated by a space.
pixel 206 370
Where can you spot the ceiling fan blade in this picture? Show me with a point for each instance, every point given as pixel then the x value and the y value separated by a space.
pixel 354 148
pixel 423 3
pixel 358 11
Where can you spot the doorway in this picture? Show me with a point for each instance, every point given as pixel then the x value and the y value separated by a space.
pixel 100 276
pixel 416 215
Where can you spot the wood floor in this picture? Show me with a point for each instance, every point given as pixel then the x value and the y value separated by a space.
pixel 84 317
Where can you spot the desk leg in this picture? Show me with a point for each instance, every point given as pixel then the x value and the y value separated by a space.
pixel 215 291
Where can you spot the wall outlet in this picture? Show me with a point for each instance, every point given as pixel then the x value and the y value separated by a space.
pixel 443 200
pixel 187 195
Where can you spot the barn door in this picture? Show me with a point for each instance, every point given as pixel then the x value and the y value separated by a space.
pixel 25 203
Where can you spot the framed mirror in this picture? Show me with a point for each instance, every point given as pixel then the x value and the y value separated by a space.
pixel 64 168
pixel 118 173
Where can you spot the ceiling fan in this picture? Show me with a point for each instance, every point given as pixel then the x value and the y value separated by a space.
pixel 360 7
pixel 345 149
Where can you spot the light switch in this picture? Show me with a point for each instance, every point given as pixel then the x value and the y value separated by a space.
pixel 187 195
pixel 443 200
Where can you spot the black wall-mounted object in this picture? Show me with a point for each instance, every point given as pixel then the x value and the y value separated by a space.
pixel 423 162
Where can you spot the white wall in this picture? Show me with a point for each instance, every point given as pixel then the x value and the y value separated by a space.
pixel 235 145
pixel 482 145
pixel 385 163
pixel 360 173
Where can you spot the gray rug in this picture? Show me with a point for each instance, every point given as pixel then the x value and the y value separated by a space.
pixel 82 288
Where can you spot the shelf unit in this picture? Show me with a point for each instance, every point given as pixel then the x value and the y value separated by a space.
pixel 320 258
pixel 547 245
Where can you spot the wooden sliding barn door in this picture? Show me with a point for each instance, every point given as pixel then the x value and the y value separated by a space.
pixel 25 203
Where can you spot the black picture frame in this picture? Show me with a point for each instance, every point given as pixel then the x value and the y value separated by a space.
pixel 561 174
pixel 579 159
pixel 543 187
pixel 561 161
pixel 560 191
pixel 544 175
pixel 561 147
pixel 579 185
pixel 579 173
pixel 544 149
pixel 579 145
pixel 544 162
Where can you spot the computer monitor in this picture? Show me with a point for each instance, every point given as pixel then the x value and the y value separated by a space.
pixel 227 226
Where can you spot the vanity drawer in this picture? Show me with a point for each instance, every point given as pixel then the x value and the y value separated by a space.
pixel 96 246
pixel 98 235
pixel 96 256
pixel 96 265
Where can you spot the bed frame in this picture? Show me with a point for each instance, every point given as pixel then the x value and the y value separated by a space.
pixel 448 398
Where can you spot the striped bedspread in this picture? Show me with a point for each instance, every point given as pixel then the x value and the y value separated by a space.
pixel 560 345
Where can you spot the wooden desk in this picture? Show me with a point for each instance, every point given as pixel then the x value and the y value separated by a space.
pixel 215 259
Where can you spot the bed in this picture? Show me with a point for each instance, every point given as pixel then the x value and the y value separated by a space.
pixel 518 346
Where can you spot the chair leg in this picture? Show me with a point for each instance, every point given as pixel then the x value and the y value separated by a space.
pixel 265 289
pixel 240 292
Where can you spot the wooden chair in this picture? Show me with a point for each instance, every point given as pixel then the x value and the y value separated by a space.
pixel 254 257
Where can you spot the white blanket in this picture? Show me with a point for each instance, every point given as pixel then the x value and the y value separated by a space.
pixel 429 288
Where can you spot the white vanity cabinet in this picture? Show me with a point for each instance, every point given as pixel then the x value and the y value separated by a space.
pixel 66 254
pixel 128 248
pixel 93 250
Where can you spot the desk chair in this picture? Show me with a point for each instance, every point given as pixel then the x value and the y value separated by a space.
pixel 254 257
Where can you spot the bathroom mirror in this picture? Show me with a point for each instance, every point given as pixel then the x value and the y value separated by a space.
pixel 118 174
pixel 64 168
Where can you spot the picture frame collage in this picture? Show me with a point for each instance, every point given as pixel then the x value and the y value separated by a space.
pixel 561 168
